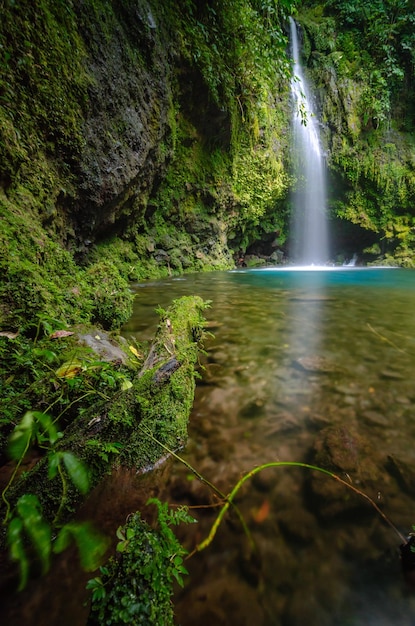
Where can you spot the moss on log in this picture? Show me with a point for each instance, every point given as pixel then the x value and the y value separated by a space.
pixel 123 429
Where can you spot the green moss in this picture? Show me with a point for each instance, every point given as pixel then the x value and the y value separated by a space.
pixel 111 295
pixel 40 277
pixel 105 422
pixel 367 150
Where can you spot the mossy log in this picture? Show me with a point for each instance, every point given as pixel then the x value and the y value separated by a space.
pixel 125 429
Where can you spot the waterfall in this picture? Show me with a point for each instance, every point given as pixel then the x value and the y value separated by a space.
pixel 309 220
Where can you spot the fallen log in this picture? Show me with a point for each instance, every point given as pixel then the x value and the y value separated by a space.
pixel 155 407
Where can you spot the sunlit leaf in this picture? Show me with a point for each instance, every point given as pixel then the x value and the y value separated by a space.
pixel 126 384
pixel 120 533
pixel 135 352
pixel 69 369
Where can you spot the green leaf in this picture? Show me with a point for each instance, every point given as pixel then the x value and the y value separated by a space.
pixel 54 458
pixel 77 471
pixel 48 426
pixel 120 533
pixel 91 544
pixel 122 546
pixel 36 527
pixel 47 355
pixel 21 437
pixel 97 587
pixel 63 539
pixel 17 551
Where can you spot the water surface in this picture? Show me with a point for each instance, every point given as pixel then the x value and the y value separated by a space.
pixel 309 366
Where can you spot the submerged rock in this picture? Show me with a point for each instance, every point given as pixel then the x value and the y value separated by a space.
pixel 316 363
pixel 403 471
pixel 346 453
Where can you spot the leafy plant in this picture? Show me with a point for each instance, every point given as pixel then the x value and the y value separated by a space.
pixel 104 448
pixel 29 525
pixel 27 528
pixel 136 586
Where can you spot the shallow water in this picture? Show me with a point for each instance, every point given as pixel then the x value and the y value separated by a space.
pixel 303 366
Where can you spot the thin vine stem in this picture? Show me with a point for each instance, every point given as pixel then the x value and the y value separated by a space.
pixel 229 500
pixel 11 479
pixel 204 480
pixel 64 493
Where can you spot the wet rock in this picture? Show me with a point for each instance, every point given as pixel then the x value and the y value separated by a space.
pixel 104 346
pixel 349 455
pixel 253 409
pixel 403 471
pixel 222 601
pixel 298 525
pixel 348 390
pixel 390 374
pixel 250 563
pixel 318 364
pixel 374 418
pixel 344 449
pixel 301 611
pixel 265 480
pixel 284 422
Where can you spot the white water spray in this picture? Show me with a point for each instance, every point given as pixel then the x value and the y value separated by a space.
pixel 309 221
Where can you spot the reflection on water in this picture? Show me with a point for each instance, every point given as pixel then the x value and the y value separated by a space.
pixel 316 367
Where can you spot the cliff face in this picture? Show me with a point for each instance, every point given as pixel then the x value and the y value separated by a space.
pixel 88 100
pixel 360 58
pixel 129 64
pixel 141 138
pixel 138 139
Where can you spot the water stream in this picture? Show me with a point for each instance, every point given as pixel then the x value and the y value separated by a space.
pixel 309 222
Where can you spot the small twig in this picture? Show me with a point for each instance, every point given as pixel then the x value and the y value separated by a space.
pixel 386 339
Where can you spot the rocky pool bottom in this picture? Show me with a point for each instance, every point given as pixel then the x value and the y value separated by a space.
pixel 313 367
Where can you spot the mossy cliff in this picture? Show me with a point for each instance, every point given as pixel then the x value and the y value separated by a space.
pixel 360 58
pixel 143 138
pixel 138 139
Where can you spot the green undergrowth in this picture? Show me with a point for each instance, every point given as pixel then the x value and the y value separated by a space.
pixel 75 416
pixel 58 376
pixel 41 278
pixel 136 587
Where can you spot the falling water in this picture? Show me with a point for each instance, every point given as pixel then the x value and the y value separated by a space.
pixel 309 224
